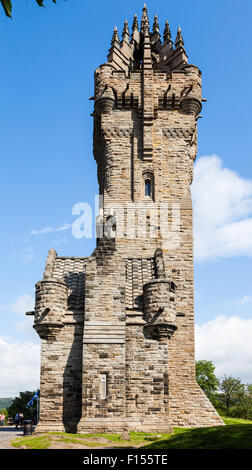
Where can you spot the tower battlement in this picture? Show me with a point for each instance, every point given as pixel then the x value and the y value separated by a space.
pixel 144 48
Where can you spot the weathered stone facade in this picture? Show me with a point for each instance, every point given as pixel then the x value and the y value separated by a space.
pixel 117 328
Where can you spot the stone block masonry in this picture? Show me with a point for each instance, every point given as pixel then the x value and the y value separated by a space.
pixel 117 328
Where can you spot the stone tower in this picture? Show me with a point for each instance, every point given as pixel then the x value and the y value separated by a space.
pixel 117 328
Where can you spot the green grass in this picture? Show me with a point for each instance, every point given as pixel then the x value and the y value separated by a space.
pixel 87 440
pixel 109 437
pixel 235 420
pixel 79 441
pixel 42 442
pixel 236 436
pixel 138 437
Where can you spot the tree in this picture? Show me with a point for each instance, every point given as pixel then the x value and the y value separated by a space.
pixel 206 378
pixel 7 5
pixel 244 407
pixel 231 394
pixel 19 404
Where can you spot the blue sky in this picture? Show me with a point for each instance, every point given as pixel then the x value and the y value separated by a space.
pixel 48 57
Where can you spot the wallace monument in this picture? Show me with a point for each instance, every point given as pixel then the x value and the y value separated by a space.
pixel 117 328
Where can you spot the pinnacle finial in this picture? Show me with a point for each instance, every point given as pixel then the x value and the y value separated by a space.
pixel 179 39
pixel 126 33
pixel 115 37
pixel 155 25
pixel 135 26
pixel 167 35
pixel 145 24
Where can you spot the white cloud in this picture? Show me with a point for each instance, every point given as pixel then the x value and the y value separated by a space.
pixel 51 229
pixel 245 300
pixel 222 211
pixel 227 342
pixel 19 367
pixel 25 329
pixel 23 304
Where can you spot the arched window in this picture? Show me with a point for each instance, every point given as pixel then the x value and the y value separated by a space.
pixel 148 185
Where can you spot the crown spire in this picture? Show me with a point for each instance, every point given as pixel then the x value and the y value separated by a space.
pixel 179 39
pixel 115 37
pixel 145 23
pixel 126 33
pixel 155 25
pixel 167 35
pixel 135 36
pixel 135 26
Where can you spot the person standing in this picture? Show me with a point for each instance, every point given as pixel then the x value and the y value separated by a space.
pixel 2 419
pixel 17 420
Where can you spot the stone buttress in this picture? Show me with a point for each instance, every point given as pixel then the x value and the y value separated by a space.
pixel 117 328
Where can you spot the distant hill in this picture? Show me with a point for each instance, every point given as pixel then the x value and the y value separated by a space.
pixel 5 402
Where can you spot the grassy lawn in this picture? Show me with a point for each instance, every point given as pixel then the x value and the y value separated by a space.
pixel 41 442
pixel 235 420
pixel 237 434
pixel 65 440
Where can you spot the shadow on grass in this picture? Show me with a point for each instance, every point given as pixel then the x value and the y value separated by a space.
pixel 220 437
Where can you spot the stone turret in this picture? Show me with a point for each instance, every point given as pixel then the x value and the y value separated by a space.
pixel 51 302
pixel 51 306
pixel 159 303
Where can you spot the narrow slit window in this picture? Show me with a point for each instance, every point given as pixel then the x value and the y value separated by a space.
pixel 148 188
pixel 103 386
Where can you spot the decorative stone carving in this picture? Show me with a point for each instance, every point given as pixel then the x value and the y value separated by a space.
pixel 179 133
pixel 116 133
pixel 159 263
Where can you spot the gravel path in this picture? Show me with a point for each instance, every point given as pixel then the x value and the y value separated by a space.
pixel 7 434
